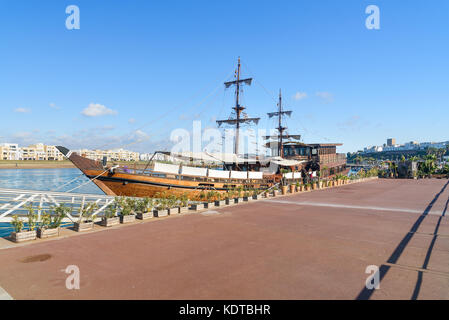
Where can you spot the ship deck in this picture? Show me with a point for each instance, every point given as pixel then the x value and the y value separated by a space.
pixel 314 245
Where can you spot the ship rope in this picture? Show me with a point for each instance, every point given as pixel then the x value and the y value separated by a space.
pixel 90 180
pixel 67 183
pixel 157 119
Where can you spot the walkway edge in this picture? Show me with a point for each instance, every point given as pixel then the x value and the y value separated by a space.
pixel 4 295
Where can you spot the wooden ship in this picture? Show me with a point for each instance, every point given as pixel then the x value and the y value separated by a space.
pixel 159 178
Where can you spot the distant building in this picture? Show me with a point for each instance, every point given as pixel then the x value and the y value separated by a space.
pixel 111 155
pixel 9 151
pixel 42 152
pixel 391 142
pixel 39 151
pixel 411 148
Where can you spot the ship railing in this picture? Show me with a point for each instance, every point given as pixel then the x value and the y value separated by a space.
pixel 15 202
pixel 151 173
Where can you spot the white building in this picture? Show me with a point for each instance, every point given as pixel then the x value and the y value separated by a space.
pixel 111 155
pixel 9 151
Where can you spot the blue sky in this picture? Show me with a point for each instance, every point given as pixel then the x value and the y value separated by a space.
pixel 156 66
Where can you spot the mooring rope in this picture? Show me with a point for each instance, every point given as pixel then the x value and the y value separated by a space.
pixel 90 180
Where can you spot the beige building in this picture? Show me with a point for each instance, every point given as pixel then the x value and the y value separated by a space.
pixel 39 151
pixel 111 155
pixel 53 154
pixel 9 151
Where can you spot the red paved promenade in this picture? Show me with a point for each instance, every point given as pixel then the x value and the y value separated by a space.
pixel 313 245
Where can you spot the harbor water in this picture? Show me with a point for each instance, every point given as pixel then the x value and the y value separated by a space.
pixel 47 180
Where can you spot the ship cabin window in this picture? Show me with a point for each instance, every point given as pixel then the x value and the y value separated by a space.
pixel 296 151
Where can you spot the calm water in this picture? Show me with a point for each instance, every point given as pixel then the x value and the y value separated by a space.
pixel 46 179
pixel 43 179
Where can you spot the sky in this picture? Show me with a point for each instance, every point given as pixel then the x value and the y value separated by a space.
pixel 135 71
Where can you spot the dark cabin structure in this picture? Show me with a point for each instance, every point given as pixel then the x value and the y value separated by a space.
pixel 318 156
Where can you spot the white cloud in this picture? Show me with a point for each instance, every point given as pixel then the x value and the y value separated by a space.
pixel 139 136
pixel 22 110
pixel 300 95
pixel 96 110
pixel 326 96
pixel 54 106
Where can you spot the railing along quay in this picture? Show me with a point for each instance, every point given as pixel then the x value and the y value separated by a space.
pixel 14 201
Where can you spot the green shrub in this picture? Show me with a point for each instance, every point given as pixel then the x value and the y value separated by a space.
pixel 17 223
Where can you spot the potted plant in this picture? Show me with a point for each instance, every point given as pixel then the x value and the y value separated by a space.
pixel 183 204
pixel 19 235
pixel 247 196
pixel 197 206
pixel 238 195
pixel 172 205
pixel 220 200
pixel 228 197
pixel 127 210
pixel 85 220
pixel 266 193
pixel 110 217
pixel 210 200
pixel 256 195
pixel 292 188
pixel 161 208
pixel 144 208
pixel 284 189
pixel 50 224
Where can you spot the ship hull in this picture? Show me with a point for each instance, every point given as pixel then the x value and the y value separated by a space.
pixel 118 183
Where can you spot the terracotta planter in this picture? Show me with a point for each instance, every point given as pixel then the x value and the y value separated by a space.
pixel 284 189
pixel 47 233
pixel 23 236
pixel 160 213
pixel 128 218
pixel 109 222
pixel 292 188
pixel 144 215
pixel 308 188
pixel 83 226
pixel 314 186
pixel 266 194
pixel 302 188
pixel 320 184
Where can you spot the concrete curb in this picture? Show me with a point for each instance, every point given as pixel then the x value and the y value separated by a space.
pixel 4 295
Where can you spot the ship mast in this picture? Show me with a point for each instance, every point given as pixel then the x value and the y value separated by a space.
pixel 238 108
pixel 280 113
